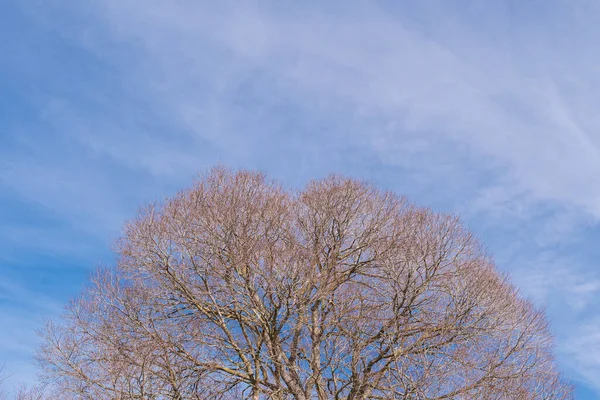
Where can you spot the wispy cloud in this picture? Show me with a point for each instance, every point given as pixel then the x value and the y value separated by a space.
pixel 487 110
pixel 581 353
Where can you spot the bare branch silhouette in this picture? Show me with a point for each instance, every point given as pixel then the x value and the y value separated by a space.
pixel 237 288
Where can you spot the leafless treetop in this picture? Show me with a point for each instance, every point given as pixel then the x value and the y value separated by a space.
pixel 237 288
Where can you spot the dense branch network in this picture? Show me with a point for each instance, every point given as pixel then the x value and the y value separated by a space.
pixel 237 288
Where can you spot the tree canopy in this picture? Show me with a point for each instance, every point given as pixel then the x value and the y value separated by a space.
pixel 238 288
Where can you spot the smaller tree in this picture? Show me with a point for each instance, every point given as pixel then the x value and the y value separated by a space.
pixel 22 392
pixel 3 394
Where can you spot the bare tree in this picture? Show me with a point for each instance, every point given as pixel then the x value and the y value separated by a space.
pixel 237 288
pixel 3 394
pixel 22 392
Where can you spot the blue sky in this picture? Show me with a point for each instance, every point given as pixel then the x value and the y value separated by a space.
pixel 483 108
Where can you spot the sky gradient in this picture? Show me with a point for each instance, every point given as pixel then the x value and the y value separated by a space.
pixel 487 109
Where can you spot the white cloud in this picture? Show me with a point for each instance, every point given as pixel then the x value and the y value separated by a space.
pixel 549 284
pixel 491 110
pixel 582 351
pixel 509 103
